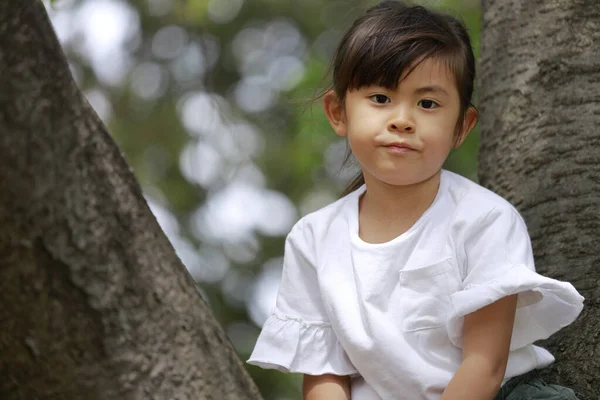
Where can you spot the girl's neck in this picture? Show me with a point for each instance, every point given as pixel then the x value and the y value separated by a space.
pixel 387 211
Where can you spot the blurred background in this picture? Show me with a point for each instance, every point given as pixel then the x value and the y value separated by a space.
pixel 210 102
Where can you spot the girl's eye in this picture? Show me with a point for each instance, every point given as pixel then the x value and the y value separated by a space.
pixel 380 98
pixel 427 104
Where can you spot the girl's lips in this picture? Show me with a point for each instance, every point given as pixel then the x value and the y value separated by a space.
pixel 398 148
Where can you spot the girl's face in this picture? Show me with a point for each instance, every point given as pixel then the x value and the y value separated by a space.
pixel 402 136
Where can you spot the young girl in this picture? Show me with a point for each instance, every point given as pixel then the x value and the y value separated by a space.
pixel 418 284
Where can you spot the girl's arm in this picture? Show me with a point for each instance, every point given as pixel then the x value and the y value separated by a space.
pixel 326 387
pixel 486 344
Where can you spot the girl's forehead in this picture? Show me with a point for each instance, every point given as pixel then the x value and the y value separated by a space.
pixel 429 71
pixel 438 71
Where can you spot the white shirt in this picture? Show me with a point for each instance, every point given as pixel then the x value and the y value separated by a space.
pixel 391 314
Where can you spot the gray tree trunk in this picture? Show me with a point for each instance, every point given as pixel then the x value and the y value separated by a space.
pixel 540 148
pixel 94 304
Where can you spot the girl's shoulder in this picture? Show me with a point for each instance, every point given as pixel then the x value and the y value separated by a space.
pixel 327 219
pixel 479 211
pixel 472 201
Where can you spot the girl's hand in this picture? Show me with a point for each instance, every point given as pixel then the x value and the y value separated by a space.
pixel 486 344
pixel 326 387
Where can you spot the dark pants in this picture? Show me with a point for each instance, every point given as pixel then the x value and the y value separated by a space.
pixel 530 386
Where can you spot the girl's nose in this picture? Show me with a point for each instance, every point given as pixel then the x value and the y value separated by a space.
pixel 401 124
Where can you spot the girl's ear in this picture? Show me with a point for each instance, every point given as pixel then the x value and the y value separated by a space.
pixel 334 109
pixel 468 124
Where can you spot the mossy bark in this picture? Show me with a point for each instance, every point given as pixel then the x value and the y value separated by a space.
pixel 94 303
pixel 540 149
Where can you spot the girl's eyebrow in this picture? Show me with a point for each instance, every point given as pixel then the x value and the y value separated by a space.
pixel 431 89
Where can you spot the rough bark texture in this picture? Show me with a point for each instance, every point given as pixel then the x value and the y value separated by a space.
pixel 540 148
pixel 94 304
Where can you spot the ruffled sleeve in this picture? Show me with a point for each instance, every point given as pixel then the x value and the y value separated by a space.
pixel 499 262
pixel 298 337
pixel 294 345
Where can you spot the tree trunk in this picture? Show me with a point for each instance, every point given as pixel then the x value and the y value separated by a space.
pixel 94 303
pixel 540 148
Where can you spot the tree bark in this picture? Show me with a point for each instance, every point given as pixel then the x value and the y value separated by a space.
pixel 540 149
pixel 94 303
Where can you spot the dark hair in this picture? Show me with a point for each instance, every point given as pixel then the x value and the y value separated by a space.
pixel 389 41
